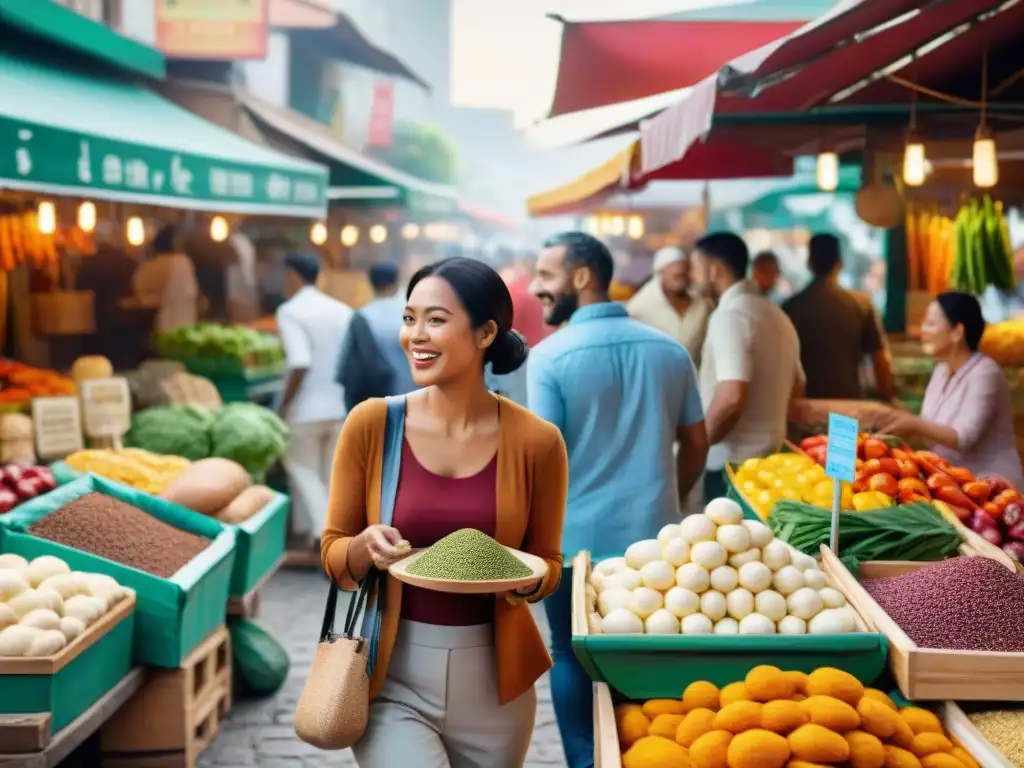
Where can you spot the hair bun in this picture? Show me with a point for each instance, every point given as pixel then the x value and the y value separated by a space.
pixel 508 352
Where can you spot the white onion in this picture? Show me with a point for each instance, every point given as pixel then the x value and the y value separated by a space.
pixel 697 528
pixel 682 602
pixel 712 605
pixel 740 603
pixel 760 534
pixel 692 577
pixel 756 624
pixel 658 574
pixel 752 555
pixel 814 578
pixel 805 603
pixel 724 511
pixel 644 601
pixel 697 624
pixel 724 579
pixel 771 604
pixel 622 621
pixel 708 554
pixel 661 622
pixel 612 599
pixel 756 577
pixel 676 552
pixel 735 538
pixel 640 553
pixel 792 625
pixel 668 532
pixel 727 626
pixel 787 580
pixel 775 554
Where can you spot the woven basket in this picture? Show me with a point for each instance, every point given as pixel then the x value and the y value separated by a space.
pixel 64 313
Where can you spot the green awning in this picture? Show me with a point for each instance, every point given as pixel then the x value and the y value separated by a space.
pixel 66 132
pixel 354 178
pixel 61 27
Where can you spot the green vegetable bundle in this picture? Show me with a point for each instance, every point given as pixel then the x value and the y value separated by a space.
pixel 914 532
pixel 982 254
pixel 174 430
pixel 213 340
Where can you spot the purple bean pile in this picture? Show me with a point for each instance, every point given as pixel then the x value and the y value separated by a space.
pixel 961 604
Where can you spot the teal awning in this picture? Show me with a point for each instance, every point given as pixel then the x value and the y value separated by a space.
pixel 62 27
pixel 66 132
pixel 355 179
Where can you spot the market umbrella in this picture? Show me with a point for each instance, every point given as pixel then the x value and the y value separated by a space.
pixel 608 62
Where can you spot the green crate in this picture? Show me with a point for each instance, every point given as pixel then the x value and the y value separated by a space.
pixel 260 541
pixel 76 684
pixel 660 666
pixel 173 615
pixel 260 544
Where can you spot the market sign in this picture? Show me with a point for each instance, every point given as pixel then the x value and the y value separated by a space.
pixel 43 158
pixel 107 405
pixel 201 29
pixel 58 426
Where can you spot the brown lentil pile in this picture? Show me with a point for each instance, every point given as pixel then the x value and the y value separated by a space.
pixel 104 526
pixel 962 604
pixel 1004 730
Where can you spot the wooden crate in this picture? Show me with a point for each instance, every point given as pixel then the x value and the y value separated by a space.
pixel 607 753
pixel 177 714
pixel 929 674
pixel 969 738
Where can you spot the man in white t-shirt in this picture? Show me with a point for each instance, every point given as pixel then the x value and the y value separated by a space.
pixel 311 325
pixel 750 367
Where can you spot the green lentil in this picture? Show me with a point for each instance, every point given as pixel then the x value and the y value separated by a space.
pixel 1004 729
pixel 469 555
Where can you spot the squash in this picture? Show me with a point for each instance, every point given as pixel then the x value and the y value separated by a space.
pixel 208 485
pixel 260 661
pixel 90 367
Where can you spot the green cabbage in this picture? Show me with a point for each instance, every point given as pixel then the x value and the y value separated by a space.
pixel 249 434
pixel 176 430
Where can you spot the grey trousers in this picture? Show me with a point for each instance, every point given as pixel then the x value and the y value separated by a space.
pixel 439 705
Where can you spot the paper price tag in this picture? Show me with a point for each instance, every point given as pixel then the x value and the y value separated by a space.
pixel 841 456
pixel 58 426
pixel 106 406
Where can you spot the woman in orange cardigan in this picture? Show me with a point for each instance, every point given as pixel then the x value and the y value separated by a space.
pixel 453 684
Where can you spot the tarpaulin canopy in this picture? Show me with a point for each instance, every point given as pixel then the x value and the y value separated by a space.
pixel 344 41
pixel 607 62
pixel 589 189
pixel 839 60
pixel 74 133
pixel 354 178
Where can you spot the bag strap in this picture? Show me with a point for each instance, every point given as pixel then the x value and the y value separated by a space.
pixel 394 434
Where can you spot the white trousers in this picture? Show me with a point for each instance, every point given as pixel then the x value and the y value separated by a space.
pixel 308 461
pixel 439 705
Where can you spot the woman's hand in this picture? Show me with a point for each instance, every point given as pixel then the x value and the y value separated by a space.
pixel 898 424
pixel 384 545
pixel 519 595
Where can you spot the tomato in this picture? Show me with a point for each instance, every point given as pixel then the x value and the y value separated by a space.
pixel 907 468
pixel 884 483
pixel 871 467
pixel 938 480
pixel 812 441
pixel 915 485
pixel 875 449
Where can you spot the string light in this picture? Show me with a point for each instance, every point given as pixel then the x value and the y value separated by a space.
pixel 914 162
pixel 635 227
pixel 828 171
pixel 219 229
pixel 46 217
pixel 135 231
pixel 378 233
pixel 87 217
pixel 318 233
pixel 986 164
pixel 349 235
pixel 411 231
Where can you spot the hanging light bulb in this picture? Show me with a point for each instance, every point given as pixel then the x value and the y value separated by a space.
pixel 592 226
pixel 46 217
pixel 635 227
pixel 318 233
pixel 411 231
pixel 828 171
pixel 986 164
pixel 378 233
pixel 914 161
pixel 87 217
pixel 219 229
pixel 135 231
pixel 616 226
pixel 349 235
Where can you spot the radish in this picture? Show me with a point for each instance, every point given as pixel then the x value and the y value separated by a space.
pixel 992 536
pixel 1013 514
pixel 983 521
pixel 8 500
pixel 1017 532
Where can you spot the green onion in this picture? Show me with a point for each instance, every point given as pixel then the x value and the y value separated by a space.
pixel 914 532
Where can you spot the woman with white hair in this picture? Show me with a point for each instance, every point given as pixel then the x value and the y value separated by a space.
pixel 668 303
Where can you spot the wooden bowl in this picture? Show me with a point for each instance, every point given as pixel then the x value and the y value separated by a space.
pixel 537 566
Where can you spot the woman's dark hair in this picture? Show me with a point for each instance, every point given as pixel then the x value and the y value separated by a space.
pixel 484 296
pixel 964 309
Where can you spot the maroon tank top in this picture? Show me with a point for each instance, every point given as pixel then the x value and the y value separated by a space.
pixel 427 508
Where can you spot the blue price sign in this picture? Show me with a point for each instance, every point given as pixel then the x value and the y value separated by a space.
pixel 841 459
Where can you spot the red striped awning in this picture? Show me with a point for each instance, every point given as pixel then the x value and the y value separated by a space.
pixel 844 55
pixel 608 62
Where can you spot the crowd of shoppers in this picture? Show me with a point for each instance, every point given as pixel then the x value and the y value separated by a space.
pixel 629 408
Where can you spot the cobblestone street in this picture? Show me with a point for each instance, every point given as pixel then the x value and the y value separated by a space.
pixel 259 733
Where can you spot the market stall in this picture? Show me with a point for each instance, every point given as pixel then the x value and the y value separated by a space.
pixel 731 643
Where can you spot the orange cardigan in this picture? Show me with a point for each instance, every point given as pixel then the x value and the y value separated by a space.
pixel 533 479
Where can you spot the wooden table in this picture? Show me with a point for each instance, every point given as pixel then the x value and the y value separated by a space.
pixel 85 725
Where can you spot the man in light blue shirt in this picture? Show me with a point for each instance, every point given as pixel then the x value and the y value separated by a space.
pixel 622 395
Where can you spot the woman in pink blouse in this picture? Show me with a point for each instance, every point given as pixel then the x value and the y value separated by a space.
pixel 967 414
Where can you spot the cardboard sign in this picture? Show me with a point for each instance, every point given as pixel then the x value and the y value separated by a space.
pixel 58 426
pixel 106 406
